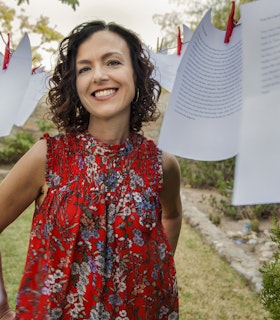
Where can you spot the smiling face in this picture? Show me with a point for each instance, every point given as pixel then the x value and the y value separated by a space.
pixel 105 77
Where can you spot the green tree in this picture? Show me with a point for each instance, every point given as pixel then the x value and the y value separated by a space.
pixel 190 13
pixel 17 22
pixel 72 3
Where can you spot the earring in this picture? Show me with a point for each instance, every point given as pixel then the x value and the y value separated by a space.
pixel 136 98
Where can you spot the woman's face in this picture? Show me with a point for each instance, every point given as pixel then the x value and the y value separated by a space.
pixel 105 77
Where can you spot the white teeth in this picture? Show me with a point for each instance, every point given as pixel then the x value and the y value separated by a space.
pixel 104 93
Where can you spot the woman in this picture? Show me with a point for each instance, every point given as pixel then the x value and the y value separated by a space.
pixel 108 209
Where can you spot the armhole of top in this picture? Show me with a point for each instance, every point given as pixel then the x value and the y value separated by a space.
pixel 160 170
pixel 157 160
pixel 47 137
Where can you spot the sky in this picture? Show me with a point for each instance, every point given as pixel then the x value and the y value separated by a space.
pixel 133 14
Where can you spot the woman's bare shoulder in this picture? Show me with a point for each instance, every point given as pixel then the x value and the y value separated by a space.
pixel 170 164
pixel 23 183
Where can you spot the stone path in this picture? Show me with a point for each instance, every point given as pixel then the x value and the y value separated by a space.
pixel 245 265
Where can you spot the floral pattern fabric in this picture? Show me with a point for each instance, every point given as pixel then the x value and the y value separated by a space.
pixel 97 247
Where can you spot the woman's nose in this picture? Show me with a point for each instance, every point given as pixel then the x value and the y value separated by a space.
pixel 99 75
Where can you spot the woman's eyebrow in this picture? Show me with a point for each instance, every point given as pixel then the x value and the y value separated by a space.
pixel 111 53
pixel 83 61
pixel 103 57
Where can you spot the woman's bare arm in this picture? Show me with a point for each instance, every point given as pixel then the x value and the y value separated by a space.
pixel 23 184
pixel 170 199
pixel 17 191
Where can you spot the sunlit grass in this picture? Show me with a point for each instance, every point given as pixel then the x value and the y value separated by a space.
pixel 209 288
pixel 13 245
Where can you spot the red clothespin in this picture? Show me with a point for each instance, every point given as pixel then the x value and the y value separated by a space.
pixel 179 42
pixel 230 24
pixel 7 54
pixel 34 70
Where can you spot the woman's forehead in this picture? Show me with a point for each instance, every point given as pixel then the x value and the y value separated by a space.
pixel 102 45
pixel 106 38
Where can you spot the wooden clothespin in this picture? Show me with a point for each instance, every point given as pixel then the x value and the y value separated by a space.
pixel 231 23
pixel 179 42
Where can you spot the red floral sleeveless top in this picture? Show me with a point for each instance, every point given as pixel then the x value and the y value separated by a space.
pixel 97 247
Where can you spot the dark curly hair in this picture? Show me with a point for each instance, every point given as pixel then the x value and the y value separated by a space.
pixel 67 111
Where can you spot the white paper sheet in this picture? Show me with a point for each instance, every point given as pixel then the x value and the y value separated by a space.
pixel 36 89
pixel 13 84
pixel 202 119
pixel 20 89
pixel 166 65
pixel 257 173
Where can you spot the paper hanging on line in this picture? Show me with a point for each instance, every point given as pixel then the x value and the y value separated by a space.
pixel 202 118
pixel 20 89
pixel 13 84
pixel 166 65
pixel 257 172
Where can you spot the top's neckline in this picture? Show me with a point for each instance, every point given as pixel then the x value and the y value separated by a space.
pixel 105 148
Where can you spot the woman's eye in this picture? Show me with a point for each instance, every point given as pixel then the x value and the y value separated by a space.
pixel 84 69
pixel 113 63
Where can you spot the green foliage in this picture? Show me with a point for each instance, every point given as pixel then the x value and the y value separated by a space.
pixel 42 27
pixel 72 3
pixel 270 293
pixel 265 210
pixel 11 20
pixel 209 174
pixel 45 125
pixel 190 13
pixel 220 10
pixel 6 17
pixel 254 225
pixel 13 148
pixel 215 219
pixel 169 23
pixel 219 175
pixel 229 210
pixel 212 175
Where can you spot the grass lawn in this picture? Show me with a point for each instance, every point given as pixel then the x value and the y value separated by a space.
pixel 209 289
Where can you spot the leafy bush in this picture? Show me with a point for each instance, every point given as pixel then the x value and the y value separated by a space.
pixel 13 148
pixel 270 293
pixel 209 174
pixel 219 175
pixel 45 125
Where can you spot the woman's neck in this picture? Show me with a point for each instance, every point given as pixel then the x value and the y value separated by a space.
pixel 111 135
